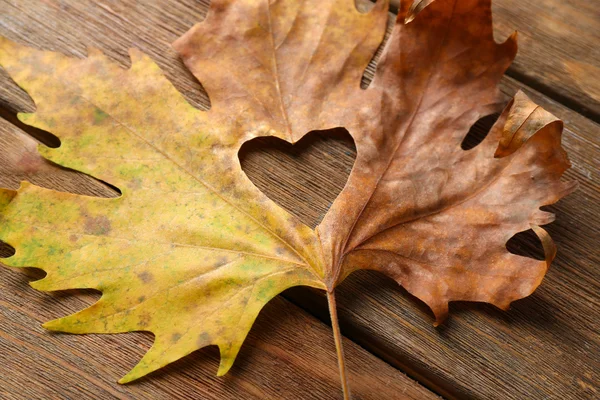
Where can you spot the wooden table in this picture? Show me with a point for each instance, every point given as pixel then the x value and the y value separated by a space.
pixel 546 347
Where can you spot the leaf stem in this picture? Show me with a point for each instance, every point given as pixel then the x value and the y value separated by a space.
pixel 337 336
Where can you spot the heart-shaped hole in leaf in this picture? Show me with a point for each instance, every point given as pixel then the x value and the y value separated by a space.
pixel 304 178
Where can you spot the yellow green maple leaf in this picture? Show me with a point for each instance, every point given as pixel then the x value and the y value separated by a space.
pixel 190 251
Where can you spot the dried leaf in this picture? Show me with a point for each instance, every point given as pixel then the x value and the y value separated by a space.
pixel 417 207
pixel 192 250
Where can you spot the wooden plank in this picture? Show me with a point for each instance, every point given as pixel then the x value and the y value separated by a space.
pixel 544 347
pixel 559 48
pixel 289 354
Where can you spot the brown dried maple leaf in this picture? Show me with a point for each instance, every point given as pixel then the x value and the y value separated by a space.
pixel 416 206
pixel 194 243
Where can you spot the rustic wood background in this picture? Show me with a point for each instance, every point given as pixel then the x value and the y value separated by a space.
pixel 546 347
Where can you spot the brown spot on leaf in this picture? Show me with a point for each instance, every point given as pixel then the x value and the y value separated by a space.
pixel 145 319
pixel 203 339
pixel 175 337
pixel 97 226
pixel 145 276
pixel 135 183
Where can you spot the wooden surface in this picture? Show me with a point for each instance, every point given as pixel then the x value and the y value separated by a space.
pixel 546 347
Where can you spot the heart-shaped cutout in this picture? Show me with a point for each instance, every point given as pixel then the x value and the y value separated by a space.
pixel 303 178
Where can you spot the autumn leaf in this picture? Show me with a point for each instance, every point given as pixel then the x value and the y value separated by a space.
pixel 191 250
pixel 417 207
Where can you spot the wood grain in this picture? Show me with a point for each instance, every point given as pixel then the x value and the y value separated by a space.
pixel 547 346
pixel 553 36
